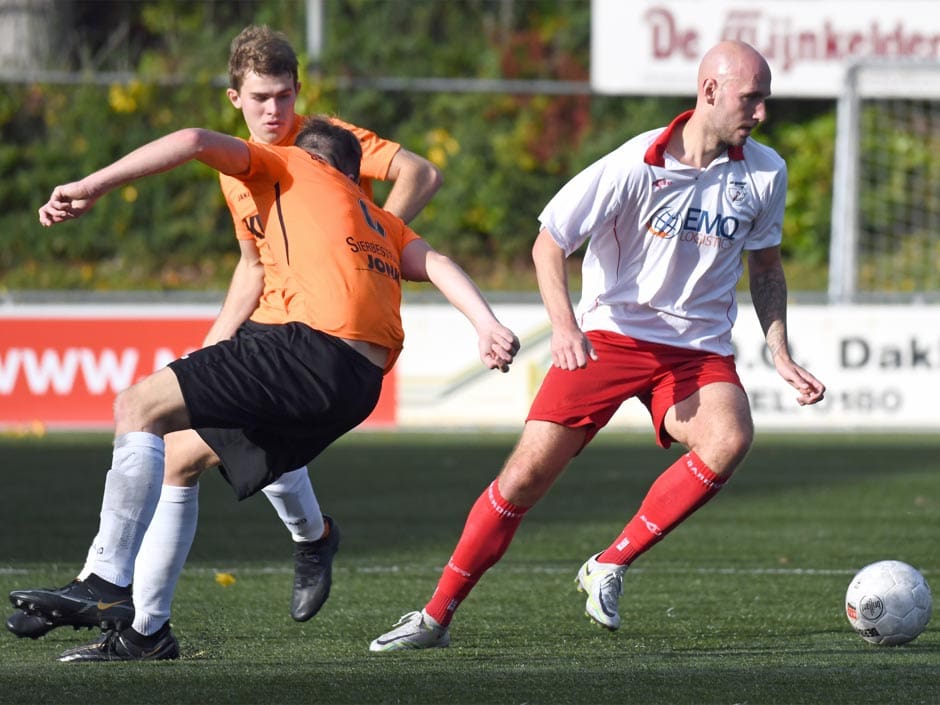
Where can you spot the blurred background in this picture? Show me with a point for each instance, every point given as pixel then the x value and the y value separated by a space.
pixel 496 92
pixel 509 98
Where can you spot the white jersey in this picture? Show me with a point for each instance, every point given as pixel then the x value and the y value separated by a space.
pixel 666 239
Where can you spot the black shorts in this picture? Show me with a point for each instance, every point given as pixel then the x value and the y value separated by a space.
pixel 274 397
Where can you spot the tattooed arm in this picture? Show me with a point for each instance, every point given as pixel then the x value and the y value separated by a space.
pixel 769 295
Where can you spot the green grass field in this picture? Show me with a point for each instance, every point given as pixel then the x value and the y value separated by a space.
pixel 741 604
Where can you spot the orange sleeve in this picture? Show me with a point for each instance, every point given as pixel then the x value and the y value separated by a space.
pixel 377 152
pixel 240 204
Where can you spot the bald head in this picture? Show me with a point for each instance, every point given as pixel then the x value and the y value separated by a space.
pixel 733 86
pixel 733 61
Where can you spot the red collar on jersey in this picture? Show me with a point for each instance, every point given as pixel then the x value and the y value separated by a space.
pixel 655 155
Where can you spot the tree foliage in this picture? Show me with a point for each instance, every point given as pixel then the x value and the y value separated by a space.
pixel 502 155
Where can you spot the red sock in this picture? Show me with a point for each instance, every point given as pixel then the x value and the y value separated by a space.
pixel 490 526
pixel 685 486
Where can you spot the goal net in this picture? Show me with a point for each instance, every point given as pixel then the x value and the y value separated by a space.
pixel 886 201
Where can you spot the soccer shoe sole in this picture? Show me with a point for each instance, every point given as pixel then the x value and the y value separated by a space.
pixel 113 647
pixel 62 611
pixel 25 625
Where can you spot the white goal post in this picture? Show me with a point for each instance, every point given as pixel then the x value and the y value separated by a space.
pixel 885 244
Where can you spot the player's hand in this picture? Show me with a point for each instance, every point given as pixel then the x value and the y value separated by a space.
pixel 498 348
pixel 810 389
pixel 571 349
pixel 66 202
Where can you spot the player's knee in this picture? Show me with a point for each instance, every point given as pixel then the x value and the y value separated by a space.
pixel 539 457
pixel 724 446
pixel 739 442
pixel 523 483
pixel 187 457
pixel 182 475
pixel 128 412
pixel 182 469
pixel 733 446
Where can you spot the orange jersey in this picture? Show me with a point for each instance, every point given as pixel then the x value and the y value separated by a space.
pixel 337 253
pixel 377 155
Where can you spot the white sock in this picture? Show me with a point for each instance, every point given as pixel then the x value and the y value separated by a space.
pixel 131 493
pixel 89 561
pixel 162 554
pixel 296 504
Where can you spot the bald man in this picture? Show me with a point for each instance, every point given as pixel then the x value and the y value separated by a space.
pixel 667 218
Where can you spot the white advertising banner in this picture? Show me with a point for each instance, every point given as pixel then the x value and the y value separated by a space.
pixel 643 47
pixel 881 366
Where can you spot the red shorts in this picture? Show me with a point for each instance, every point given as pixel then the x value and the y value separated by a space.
pixel 658 375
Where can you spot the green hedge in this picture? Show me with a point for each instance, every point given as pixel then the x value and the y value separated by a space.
pixel 502 156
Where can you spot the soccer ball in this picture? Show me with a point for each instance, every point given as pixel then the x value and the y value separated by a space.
pixel 888 603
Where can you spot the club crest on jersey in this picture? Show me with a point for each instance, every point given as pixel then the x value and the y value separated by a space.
pixel 736 191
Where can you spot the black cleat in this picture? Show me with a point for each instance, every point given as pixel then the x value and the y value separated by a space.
pixel 127 645
pixel 33 626
pixel 91 603
pixel 313 573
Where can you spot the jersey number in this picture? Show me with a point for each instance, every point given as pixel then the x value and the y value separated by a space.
pixel 369 221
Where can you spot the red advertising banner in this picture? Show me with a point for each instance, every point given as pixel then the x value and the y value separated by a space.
pixel 63 370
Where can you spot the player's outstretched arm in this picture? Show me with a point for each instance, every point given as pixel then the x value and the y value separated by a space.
pixel 221 152
pixel 769 295
pixel 497 344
